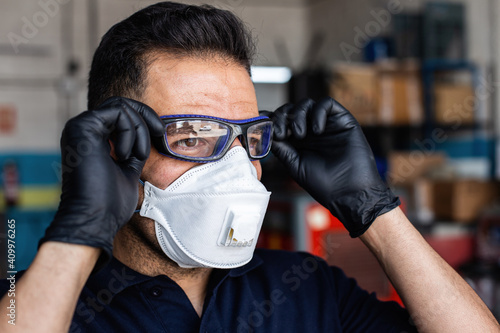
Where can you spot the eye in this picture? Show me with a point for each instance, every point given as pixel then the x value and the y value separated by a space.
pixel 188 143
pixel 196 147
pixel 254 140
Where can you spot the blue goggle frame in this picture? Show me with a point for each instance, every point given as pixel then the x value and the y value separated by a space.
pixel 236 128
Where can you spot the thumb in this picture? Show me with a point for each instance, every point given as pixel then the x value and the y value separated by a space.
pixel 287 154
pixel 133 166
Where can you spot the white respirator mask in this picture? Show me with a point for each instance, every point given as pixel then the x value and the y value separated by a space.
pixel 211 215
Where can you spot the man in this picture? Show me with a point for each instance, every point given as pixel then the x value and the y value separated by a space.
pixel 183 261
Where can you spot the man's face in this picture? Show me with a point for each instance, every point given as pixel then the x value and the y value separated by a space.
pixel 213 87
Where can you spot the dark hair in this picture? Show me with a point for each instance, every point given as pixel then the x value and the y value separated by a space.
pixel 120 62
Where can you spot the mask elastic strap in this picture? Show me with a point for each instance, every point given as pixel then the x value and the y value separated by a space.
pixel 142 183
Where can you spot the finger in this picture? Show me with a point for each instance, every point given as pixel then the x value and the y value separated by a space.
pixel 280 121
pixel 125 136
pixel 117 121
pixel 265 113
pixel 327 108
pixel 131 136
pixel 135 165
pixel 298 118
pixel 142 144
pixel 153 121
pixel 287 154
pixel 318 116
pixel 146 122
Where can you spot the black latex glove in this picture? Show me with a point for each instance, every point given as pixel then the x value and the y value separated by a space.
pixel 99 193
pixel 325 151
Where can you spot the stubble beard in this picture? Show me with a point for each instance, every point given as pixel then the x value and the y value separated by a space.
pixel 140 250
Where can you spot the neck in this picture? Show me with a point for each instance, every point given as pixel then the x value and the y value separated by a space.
pixel 135 247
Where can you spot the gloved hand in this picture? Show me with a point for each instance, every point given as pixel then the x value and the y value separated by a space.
pixel 325 151
pixel 100 193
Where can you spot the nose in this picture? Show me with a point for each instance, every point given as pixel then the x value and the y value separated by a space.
pixel 237 142
pixel 256 163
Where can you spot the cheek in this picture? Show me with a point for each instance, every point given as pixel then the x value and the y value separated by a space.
pixel 161 170
pixel 258 167
pixel 141 197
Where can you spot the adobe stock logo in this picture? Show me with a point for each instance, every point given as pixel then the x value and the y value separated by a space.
pixel 30 26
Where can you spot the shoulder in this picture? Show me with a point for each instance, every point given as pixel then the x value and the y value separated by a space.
pixel 302 276
pixel 282 257
pixel 306 272
pixel 298 271
pixel 288 261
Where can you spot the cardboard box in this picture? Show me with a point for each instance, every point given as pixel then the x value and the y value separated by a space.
pixel 355 87
pixel 417 200
pixel 404 167
pixel 454 104
pixel 462 200
pixel 423 192
pixel 381 94
pixel 400 95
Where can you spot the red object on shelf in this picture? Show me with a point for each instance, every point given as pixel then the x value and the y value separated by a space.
pixel 8 119
pixel 275 240
pixel 297 222
pixel 275 233
pixel 455 250
pixel 319 220
pixel 330 240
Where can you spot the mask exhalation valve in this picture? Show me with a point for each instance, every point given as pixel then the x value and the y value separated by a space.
pixel 240 228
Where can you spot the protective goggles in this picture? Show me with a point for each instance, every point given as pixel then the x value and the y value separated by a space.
pixel 196 138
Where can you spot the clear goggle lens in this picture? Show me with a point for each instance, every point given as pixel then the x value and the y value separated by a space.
pixel 208 139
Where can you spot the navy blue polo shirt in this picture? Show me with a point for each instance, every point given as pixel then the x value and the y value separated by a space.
pixel 277 291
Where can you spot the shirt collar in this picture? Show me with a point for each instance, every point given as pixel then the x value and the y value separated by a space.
pixel 116 276
pixel 254 263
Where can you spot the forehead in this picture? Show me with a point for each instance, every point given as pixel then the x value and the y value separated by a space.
pixel 205 86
